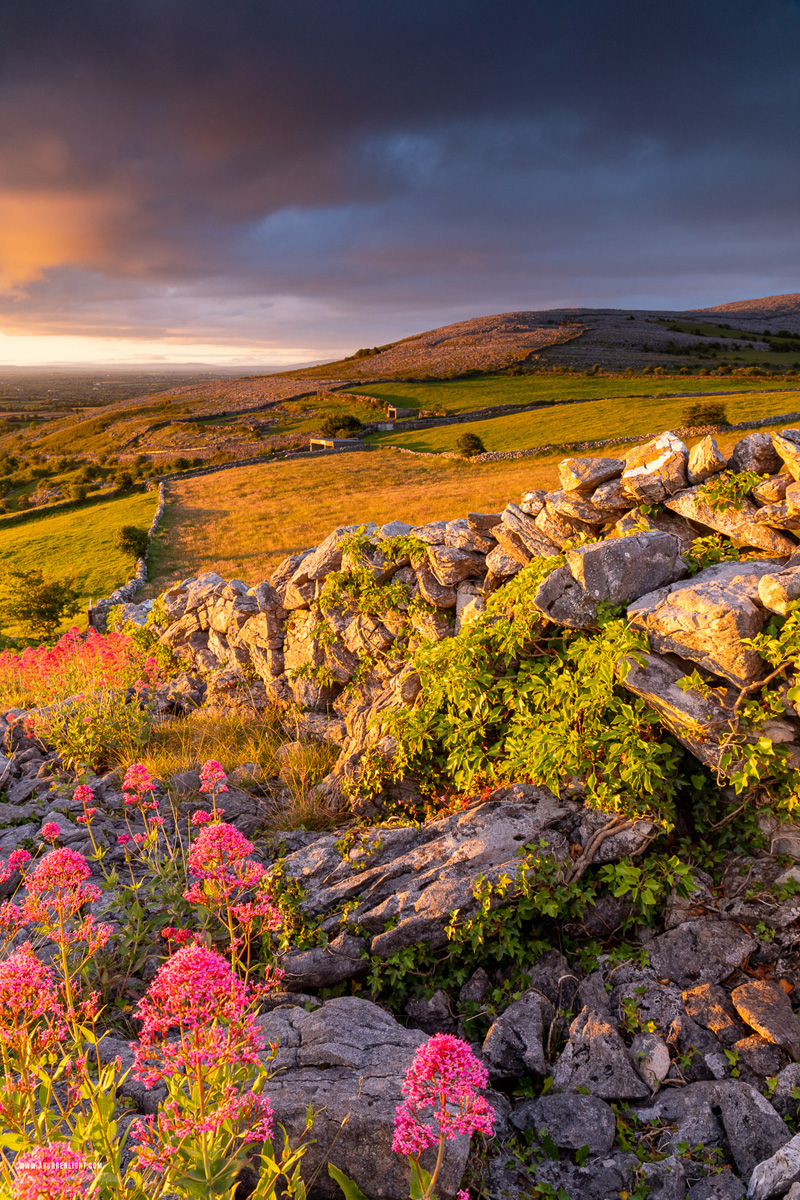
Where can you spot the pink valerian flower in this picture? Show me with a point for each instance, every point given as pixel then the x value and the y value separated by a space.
pixel 83 794
pixel 443 1076
pixel 220 855
pixel 30 1010
pixel 137 782
pixel 159 1137
pixel 57 888
pixel 196 992
pixel 201 817
pixel 123 839
pixel 261 910
pixel 213 777
pixel 51 830
pixel 52 1172
pixel 18 859
pixel 463 1195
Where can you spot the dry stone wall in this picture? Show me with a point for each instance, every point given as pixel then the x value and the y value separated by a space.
pixel 625 527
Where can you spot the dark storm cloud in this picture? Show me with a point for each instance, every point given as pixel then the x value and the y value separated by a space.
pixel 309 166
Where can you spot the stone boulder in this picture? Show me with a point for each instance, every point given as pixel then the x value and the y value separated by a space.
pixel 705 459
pixel 766 1008
pixel 702 951
pixel 757 453
pixel 513 1045
pixel 776 592
pixel 656 470
pixel 348 1059
pixel 412 879
pixel 570 1121
pixel 596 1058
pixel 739 524
pixel 705 619
pixel 624 569
pixel 787 443
pixel 586 474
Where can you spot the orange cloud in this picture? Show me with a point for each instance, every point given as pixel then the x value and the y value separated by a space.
pixel 42 229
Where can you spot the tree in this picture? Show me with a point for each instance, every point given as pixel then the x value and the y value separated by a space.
pixel 343 425
pixel 123 481
pixel 132 540
pixel 469 444
pixel 35 602
pixel 76 491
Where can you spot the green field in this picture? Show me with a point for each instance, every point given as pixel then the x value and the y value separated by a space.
pixel 617 417
pixel 464 395
pixel 81 541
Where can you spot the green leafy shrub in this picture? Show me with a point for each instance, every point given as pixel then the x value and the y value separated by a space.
pixel 342 425
pixel 729 490
pixel 516 699
pixel 469 444
pixel 704 412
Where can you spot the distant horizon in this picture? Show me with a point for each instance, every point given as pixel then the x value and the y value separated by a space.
pixel 248 365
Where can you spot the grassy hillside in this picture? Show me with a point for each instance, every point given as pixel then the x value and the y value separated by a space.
pixel 81 541
pixel 578 422
pixel 464 395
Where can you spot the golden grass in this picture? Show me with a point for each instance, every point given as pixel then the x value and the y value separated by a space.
pixel 243 739
pixel 242 522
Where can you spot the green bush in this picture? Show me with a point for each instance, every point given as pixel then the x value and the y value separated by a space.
pixel 469 444
pixel 77 492
pixel 343 425
pixel 704 412
pixel 133 540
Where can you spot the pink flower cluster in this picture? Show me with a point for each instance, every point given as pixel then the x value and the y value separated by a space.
pixel 137 782
pixel 52 1172
pixel 30 1010
pixel 78 661
pixel 443 1076
pixel 213 777
pixel 159 1137
pixel 219 861
pixel 197 993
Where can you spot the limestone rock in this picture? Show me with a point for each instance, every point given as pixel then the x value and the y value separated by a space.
pixel 656 470
pixel 701 951
pixel 752 1126
pixel 766 1008
pixel 779 516
pixel 610 496
pixel 705 459
pixel 502 564
pixel 650 1055
pixel 451 566
pixel 557 528
pixel 636 522
pixel 772 490
pixel 756 452
pixel 461 536
pixel 432 590
pixel 586 474
pixel 710 1005
pixel 562 600
pixel 570 1121
pixel 724 1186
pixel 624 569
pixel 414 878
pixel 705 619
pixel 532 503
pixel 533 538
pixel 740 525
pixel 434 533
pixel 666 1178
pixel 482 522
pixel 760 1056
pixel 469 605
pixel 578 507
pixel 513 1045
pixel 595 1057
pixel 349 1057
pixel 774 1176
pixel 787 443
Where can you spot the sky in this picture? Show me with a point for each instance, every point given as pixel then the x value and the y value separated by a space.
pixel 270 182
